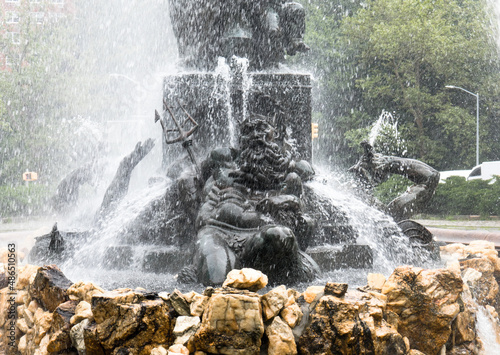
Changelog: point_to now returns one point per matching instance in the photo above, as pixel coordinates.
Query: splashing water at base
(375, 229)
(486, 332)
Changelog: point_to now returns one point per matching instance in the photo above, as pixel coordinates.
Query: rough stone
(336, 289)
(50, 287)
(292, 314)
(313, 293)
(129, 319)
(232, 324)
(197, 307)
(350, 325)
(482, 282)
(185, 328)
(426, 302)
(26, 274)
(273, 302)
(376, 281)
(82, 311)
(159, 351)
(246, 279)
(179, 303)
(178, 349)
(76, 335)
(281, 339)
(83, 291)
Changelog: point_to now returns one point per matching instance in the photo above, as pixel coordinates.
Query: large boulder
(232, 324)
(426, 302)
(352, 325)
(50, 287)
(131, 320)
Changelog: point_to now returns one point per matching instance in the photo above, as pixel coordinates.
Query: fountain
(238, 191)
(253, 197)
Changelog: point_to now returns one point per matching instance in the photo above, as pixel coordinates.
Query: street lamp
(477, 117)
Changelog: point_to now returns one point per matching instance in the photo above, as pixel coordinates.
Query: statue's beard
(262, 165)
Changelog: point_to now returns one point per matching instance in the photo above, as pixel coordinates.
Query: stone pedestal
(219, 102)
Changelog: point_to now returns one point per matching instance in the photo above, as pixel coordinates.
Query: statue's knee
(281, 238)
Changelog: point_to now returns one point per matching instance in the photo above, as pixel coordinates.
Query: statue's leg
(275, 252)
(410, 202)
(214, 258)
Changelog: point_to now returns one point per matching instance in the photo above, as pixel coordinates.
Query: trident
(182, 134)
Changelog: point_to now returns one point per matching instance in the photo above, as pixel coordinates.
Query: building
(22, 16)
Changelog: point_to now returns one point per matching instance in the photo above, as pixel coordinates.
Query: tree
(398, 56)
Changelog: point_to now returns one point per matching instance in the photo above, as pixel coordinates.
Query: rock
(185, 328)
(479, 275)
(82, 311)
(83, 291)
(50, 287)
(179, 303)
(426, 302)
(232, 324)
(313, 293)
(159, 351)
(281, 339)
(22, 326)
(336, 289)
(350, 325)
(22, 345)
(60, 328)
(291, 315)
(43, 322)
(376, 281)
(178, 349)
(33, 306)
(246, 279)
(129, 319)
(197, 307)
(76, 335)
(92, 343)
(273, 302)
(26, 273)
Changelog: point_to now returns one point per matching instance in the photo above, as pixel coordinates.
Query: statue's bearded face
(263, 163)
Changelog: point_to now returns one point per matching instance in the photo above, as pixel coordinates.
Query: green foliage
(23, 200)
(392, 188)
(398, 56)
(460, 197)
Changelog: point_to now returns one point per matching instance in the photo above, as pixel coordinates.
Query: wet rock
(185, 328)
(281, 339)
(130, 319)
(376, 281)
(350, 325)
(159, 351)
(426, 302)
(76, 335)
(232, 324)
(178, 349)
(26, 275)
(179, 303)
(313, 293)
(60, 327)
(198, 305)
(82, 311)
(336, 289)
(483, 284)
(50, 287)
(291, 314)
(273, 302)
(91, 340)
(83, 291)
(246, 279)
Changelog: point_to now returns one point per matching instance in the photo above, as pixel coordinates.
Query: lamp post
(477, 117)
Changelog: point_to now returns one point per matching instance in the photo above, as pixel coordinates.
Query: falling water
(384, 135)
